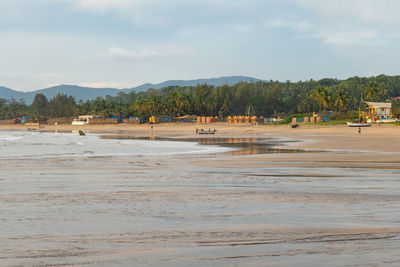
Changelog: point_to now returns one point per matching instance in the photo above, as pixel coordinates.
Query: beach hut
(214, 119)
(82, 120)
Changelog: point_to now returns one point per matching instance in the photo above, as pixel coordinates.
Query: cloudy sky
(124, 43)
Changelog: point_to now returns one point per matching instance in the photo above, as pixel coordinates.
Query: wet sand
(338, 207)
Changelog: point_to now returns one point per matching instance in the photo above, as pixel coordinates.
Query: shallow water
(176, 209)
(237, 146)
(42, 144)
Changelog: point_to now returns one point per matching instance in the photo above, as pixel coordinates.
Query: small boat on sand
(361, 120)
(209, 131)
(386, 121)
(358, 124)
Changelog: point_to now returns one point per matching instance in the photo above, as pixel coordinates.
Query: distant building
(82, 120)
(379, 110)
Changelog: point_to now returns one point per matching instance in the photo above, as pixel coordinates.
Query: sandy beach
(333, 201)
(380, 138)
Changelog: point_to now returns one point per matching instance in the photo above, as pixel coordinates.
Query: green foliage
(259, 98)
(395, 108)
(62, 106)
(40, 108)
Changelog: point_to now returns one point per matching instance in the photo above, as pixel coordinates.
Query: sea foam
(34, 145)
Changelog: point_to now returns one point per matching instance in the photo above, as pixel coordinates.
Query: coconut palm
(340, 99)
(180, 102)
(371, 91)
(304, 105)
(140, 106)
(171, 102)
(154, 105)
(321, 96)
(224, 110)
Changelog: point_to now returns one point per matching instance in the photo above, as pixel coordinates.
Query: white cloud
(106, 85)
(343, 22)
(103, 5)
(140, 13)
(148, 53)
(367, 38)
(113, 40)
(49, 75)
(339, 22)
(298, 25)
(367, 11)
(96, 85)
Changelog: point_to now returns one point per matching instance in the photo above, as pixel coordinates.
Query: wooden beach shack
(82, 120)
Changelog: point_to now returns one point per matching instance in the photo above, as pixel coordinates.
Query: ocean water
(67, 200)
(51, 145)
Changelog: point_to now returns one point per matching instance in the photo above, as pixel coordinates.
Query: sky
(125, 43)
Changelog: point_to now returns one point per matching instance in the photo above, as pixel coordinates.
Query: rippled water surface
(39, 144)
(68, 200)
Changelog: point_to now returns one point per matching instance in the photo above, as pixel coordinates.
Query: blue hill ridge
(88, 93)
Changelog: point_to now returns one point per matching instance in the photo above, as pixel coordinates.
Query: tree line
(261, 98)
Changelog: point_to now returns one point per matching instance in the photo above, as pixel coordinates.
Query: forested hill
(88, 93)
(266, 98)
(231, 80)
(261, 98)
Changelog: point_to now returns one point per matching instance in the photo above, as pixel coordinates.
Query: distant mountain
(231, 80)
(78, 92)
(9, 93)
(88, 93)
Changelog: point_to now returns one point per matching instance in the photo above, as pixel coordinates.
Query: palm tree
(154, 105)
(321, 96)
(172, 103)
(371, 91)
(140, 106)
(180, 102)
(326, 99)
(304, 105)
(340, 99)
(187, 103)
(224, 108)
(314, 99)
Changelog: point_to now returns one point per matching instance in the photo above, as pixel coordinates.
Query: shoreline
(332, 138)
